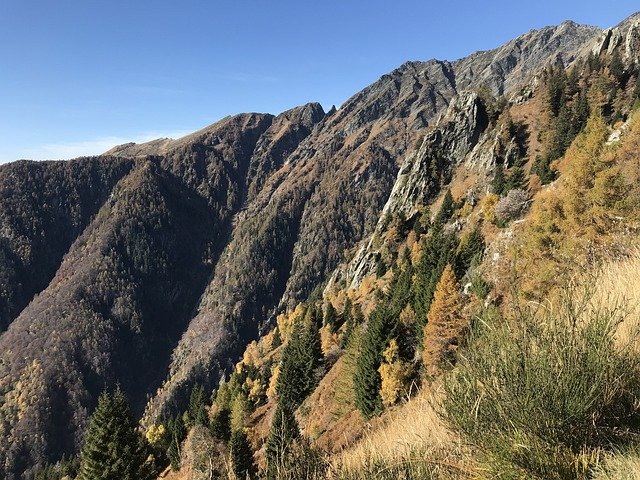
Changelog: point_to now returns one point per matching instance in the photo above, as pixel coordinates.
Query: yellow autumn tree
(582, 165)
(273, 381)
(445, 322)
(394, 374)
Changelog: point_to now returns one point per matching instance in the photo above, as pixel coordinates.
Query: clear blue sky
(77, 76)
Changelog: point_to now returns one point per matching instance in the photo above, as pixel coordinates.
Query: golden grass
(620, 466)
(410, 434)
(618, 283)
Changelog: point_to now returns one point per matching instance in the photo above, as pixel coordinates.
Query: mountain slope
(171, 272)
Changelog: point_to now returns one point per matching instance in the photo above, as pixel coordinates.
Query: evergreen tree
(330, 317)
(197, 411)
(499, 181)
(616, 67)
(284, 431)
(469, 251)
(446, 209)
(438, 249)
(400, 291)
(380, 329)
(594, 63)
(178, 433)
(352, 319)
(347, 311)
(113, 448)
(300, 360)
(241, 455)
(516, 179)
(581, 113)
(542, 168)
(445, 322)
(556, 89)
(220, 426)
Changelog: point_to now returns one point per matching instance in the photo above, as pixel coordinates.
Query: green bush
(541, 393)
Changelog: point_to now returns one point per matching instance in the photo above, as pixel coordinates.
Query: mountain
(154, 265)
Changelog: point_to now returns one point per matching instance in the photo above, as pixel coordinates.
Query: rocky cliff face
(183, 249)
(421, 176)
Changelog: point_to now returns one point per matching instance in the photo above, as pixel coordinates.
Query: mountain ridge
(267, 208)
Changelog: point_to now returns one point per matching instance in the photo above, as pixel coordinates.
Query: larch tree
(445, 323)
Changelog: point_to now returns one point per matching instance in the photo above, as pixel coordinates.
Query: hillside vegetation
(413, 286)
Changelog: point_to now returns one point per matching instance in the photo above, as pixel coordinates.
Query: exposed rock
(422, 175)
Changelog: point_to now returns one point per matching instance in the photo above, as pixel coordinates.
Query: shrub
(544, 390)
(513, 205)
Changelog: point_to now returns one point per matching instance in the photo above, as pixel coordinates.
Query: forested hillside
(404, 287)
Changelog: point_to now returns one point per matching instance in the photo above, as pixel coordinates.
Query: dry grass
(619, 283)
(411, 434)
(620, 466)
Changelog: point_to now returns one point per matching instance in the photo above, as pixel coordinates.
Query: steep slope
(112, 313)
(328, 194)
(44, 206)
(209, 235)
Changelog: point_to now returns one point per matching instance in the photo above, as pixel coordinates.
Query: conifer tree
(300, 360)
(114, 448)
(516, 179)
(616, 67)
(197, 411)
(499, 180)
(556, 89)
(446, 209)
(438, 250)
(330, 317)
(284, 431)
(469, 251)
(241, 455)
(380, 329)
(178, 433)
(351, 320)
(445, 322)
(220, 426)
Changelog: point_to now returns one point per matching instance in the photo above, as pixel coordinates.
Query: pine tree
(616, 67)
(300, 360)
(542, 168)
(445, 322)
(113, 448)
(516, 179)
(330, 317)
(380, 329)
(446, 209)
(438, 250)
(469, 251)
(556, 89)
(284, 431)
(178, 433)
(580, 114)
(499, 181)
(197, 411)
(241, 455)
(220, 426)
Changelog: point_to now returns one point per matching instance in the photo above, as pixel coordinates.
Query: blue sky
(79, 76)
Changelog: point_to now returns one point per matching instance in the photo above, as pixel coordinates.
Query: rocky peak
(505, 68)
(624, 37)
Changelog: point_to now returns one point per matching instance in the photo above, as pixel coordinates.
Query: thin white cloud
(67, 150)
